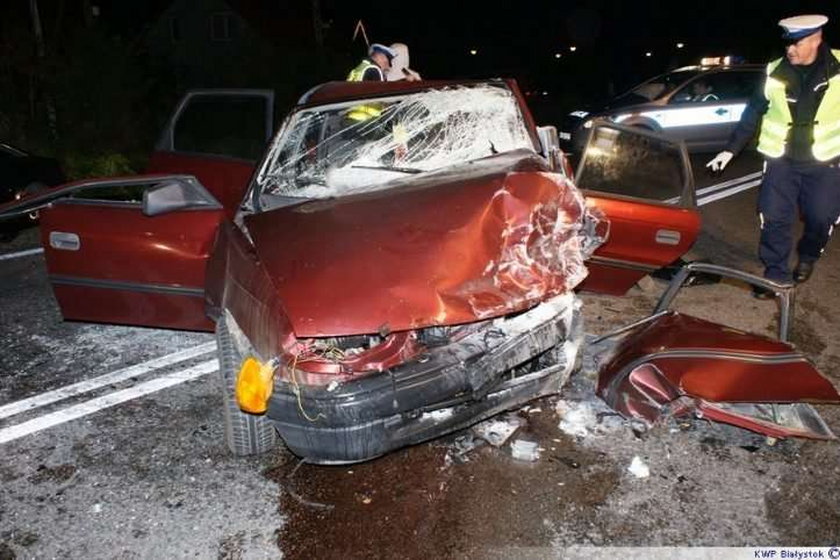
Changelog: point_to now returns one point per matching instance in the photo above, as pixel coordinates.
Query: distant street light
(648, 54)
(473, 52)
(680, 45)
(573, 49)
(557, 55)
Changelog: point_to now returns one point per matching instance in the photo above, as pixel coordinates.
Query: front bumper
(502, 366)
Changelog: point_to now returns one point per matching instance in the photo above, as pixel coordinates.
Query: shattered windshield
(358, 146)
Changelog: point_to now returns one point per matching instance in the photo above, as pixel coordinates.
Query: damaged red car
(400, 264)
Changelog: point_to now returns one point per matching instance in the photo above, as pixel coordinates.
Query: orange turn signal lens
(254, 385)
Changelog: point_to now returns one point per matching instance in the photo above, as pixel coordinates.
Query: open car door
(134, 250)
(128, 250)
(643, 184)
(217, 135)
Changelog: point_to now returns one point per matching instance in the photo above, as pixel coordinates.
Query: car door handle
(668, 237)
(64, 241)
(721, 111)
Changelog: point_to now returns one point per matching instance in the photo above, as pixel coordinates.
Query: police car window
(718, 87)
(632, 164)
(733, 84)
(662, 85)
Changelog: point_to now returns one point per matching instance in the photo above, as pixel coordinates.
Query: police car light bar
(715, 60)
(720, 60)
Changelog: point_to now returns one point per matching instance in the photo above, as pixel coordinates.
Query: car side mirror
(179, 193)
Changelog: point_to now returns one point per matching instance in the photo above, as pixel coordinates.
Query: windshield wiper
(409, 170)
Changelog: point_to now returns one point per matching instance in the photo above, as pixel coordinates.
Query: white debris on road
(581, 419)
(524, 450)
(497, 431)
(577, 419)
(638, 468)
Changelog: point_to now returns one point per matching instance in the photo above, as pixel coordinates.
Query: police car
(698, 104)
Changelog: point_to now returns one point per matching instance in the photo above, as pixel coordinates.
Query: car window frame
(166, 140)
(687, 197)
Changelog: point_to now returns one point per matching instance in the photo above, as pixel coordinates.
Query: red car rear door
(217, 135)
(643, 185)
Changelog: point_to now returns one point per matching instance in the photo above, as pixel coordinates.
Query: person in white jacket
(399, 69)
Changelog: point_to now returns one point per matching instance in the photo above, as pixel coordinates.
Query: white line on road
(728, 192)
(726, 188)
(87, 385)
(18, 254)
(111, 399)
(723, 185)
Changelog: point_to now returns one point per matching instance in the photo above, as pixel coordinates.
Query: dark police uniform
(799, 111)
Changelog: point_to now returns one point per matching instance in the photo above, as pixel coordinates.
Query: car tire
(245, 434)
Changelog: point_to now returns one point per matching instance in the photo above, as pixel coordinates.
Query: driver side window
(719, 87)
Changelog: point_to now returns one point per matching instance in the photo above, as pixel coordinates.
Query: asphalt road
(111, 445)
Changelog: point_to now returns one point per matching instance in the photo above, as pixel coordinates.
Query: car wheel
(245, 434)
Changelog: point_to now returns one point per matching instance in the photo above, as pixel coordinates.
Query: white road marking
(724, 189)
(112, 399)
(728, 192)
(87, 385)
(19, 254)
(723, 185)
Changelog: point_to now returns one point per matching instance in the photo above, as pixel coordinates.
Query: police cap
(387, 51)
(797, 27)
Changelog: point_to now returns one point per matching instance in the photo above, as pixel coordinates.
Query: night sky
(515, 39)
(520, 39)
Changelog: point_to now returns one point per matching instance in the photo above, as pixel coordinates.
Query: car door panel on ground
(642, 183)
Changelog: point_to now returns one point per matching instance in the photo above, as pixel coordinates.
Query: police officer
(799, 111)
(371, 68)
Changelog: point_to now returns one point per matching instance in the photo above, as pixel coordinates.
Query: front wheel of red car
(245, 434)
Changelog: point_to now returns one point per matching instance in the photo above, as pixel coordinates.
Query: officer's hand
(720, 161)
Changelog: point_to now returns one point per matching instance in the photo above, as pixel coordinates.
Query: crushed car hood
(474, 241)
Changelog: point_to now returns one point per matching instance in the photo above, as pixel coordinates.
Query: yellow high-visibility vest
(777, 120)
(357, 74)
(363, 112)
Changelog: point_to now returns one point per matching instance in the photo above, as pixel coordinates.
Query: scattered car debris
(577, 419)
(460, 448)
(498, 430)
(638, 468)
(584, 418)
(524, 450)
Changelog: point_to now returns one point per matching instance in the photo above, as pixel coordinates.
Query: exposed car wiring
(296, 390)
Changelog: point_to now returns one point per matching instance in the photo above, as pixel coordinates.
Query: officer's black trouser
(813, 189)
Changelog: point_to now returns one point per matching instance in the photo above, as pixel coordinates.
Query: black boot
(802, 272)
